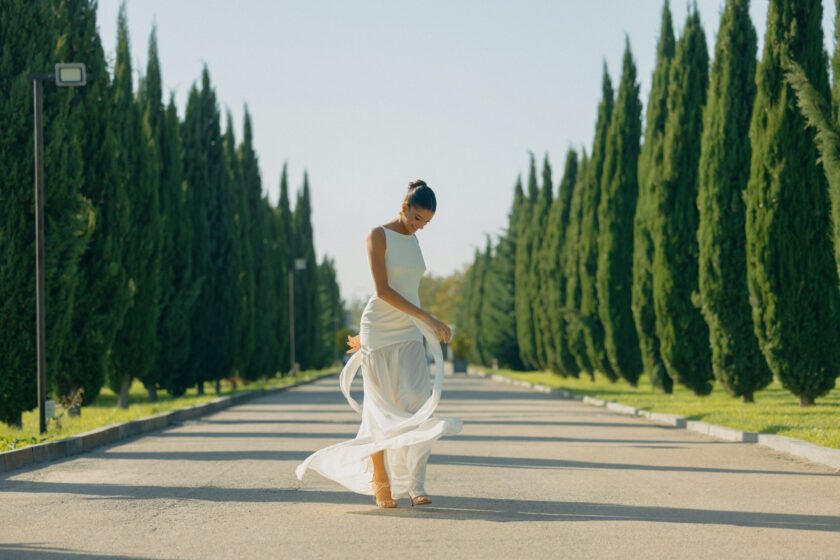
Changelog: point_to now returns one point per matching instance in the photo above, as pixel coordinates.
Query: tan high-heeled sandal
(378, 487)
(419, 500)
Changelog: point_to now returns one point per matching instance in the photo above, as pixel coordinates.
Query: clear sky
(367, 96)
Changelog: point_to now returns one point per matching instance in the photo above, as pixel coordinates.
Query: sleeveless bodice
(383, 324)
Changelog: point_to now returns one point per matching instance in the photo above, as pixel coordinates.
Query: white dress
(399, 396)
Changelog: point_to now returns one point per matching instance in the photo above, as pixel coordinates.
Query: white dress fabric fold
(400, 396)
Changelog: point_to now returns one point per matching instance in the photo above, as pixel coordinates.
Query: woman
(388, 457)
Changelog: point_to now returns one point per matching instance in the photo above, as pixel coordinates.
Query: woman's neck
(397, 226)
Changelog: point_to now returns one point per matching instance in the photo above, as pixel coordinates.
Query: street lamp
(64, 75)
(300, 264)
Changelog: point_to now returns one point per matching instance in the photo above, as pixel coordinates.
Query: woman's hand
(441, 329)
(353, 343)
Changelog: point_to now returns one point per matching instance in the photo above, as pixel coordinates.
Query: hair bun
(416, 184)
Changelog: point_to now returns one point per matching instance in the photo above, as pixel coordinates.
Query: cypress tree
(265, 355)
(254, 228)
(135, 347)
(68, 216)
(99, 307)
(282, 250)
(834, 182)
(195, 165)
(539, 223)
(176, 311)
(308, 333)
(736, 359)
(524, 285)
(575, 327)
(592, 329)
(791, 275)
(497, 310)
(482, 353)
(150, 99)
(651, 161)
(470, 314)
(682, 331)
(243, 327)
(223, 274)
(332, 312)
(554, 274)
(826, 122)
(617, 207)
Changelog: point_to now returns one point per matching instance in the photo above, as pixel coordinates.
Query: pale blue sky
(367, 96)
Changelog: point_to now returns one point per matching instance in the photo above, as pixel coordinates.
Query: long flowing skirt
(399, 399)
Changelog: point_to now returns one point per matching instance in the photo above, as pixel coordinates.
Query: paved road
(531, 476)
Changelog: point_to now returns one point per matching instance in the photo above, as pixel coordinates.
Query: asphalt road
(531, 476)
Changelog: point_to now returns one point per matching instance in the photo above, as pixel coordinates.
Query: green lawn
(104, 411)
(775, 411)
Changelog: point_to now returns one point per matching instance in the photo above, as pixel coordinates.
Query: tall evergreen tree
(575, 327)
(68, 216)
(469, 318)
(539, 222)
(150, 99)
(243, 173)
(682, 331)
(524, 285)
(136, 344)
(308, 332)
(195, 166)
(282, 250)
(176, 311)
(332, 312)
(617, 207)
(499, 332)
(736, 359)
(268, 297)
(826, 121)
(481, 353)
(589, 320)
(791, 275)
(553, 273)
(651, 165)
(222, 285)
(99, 307)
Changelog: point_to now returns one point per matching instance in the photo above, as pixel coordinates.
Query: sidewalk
(531, 476)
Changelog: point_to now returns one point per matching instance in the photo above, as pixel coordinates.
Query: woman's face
(416, 218)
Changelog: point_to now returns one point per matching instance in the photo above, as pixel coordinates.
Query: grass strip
(104, 410)
(776, 410)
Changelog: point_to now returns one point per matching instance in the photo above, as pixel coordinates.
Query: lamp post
(64, 75)
(299, 264)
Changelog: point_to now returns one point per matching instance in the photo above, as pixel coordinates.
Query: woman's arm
(376, 257)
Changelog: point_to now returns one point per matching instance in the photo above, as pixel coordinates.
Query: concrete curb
(792, 446)
(80, 443)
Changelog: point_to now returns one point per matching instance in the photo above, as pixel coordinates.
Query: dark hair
(421, 196)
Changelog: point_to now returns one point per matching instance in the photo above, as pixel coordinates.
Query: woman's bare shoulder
(376, 237)
(377, 234)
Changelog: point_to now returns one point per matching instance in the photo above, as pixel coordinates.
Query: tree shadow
(26, 551)
(507, 511)
(531, 463)
(454, 508)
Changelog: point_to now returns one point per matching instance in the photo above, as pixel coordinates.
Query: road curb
(81, 443)
(792, 446)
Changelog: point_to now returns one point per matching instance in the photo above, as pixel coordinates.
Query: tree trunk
(218, 386)
(806, 400)
(749, 397)
(153, 394)
(124, 387)
(200, 388)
